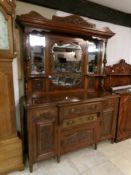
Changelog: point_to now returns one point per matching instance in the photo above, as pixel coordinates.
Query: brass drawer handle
(70, 122)
(72, 110)
(80, 120)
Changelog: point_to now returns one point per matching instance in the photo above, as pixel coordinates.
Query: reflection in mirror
(66, 80)
(37, 47)
(92, 57)
(67, 57)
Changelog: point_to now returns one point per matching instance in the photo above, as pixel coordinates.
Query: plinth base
(11, 158)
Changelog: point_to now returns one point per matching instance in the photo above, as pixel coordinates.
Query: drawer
(67, 123)
(110, 102)
(43, 113)
(79, 109)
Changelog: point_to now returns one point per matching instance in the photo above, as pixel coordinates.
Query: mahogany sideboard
(66, 105)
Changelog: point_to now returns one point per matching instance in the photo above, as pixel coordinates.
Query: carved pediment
(120, 68)
(34, 15)
(107, 29)
(73, 19)
(70, 24)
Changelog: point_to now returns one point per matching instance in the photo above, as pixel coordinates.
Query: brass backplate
(79, 120)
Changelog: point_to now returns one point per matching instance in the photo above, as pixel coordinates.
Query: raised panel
(109, 118)
(4, 106)
(128, 117)
(77, 138)
(43, 125)
(38, 85)
(7, 115)
(45, 136)
(124, 119)
(107, 122)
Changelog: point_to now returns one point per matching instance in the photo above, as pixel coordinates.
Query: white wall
(23, 8)
(119, 46)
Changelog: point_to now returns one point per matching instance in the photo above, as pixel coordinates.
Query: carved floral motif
(120, 68)
(73, 19)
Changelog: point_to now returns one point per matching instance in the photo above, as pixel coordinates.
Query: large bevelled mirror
(67, 60)
(67, 57)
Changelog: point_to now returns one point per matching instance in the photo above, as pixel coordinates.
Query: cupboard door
(107, 123)
(109, 118)
(128, 115)
(42, 132)
(124, 119)
(44, 137)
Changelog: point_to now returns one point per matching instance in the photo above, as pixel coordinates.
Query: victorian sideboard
(66, 106)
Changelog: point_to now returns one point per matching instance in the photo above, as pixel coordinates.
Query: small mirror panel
(37, 53)
(92, 58)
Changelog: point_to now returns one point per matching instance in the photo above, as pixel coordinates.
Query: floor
(108, 159)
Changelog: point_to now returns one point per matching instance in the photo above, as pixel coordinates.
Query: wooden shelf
(37, 76)
(96, 75)
(118, 74)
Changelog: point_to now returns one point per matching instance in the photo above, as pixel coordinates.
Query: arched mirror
(67, 57)
(67, 64)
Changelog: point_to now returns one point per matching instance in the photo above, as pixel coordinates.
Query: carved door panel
(44, 134)
(124, 120)
(79, 137)
(45, 138)
(108, 120)
(128, 115)
(107, 123)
